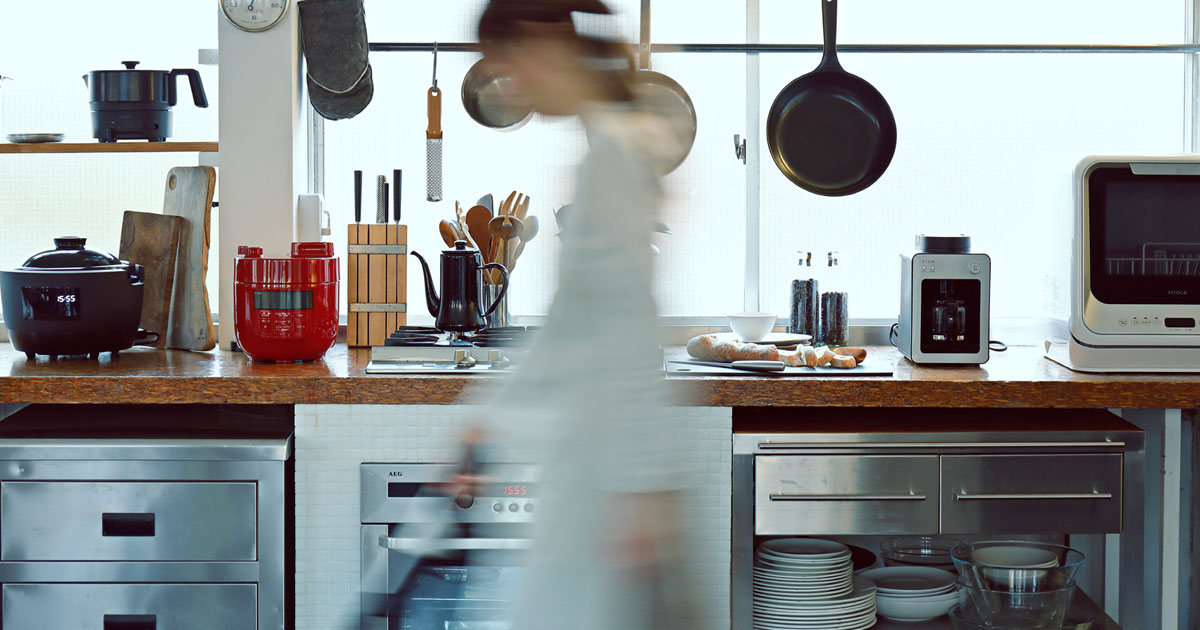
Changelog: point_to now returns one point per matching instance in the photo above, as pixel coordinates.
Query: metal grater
(433, 169)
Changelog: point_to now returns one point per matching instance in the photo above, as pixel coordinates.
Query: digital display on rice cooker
(50, 303)
(283, 300)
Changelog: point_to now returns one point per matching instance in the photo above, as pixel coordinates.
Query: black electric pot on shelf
(72, 300)
(134, 104)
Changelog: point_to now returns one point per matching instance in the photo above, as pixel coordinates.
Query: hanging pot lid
(69, 253)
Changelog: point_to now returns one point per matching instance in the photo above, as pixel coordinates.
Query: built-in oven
(1136, 270)
(471, 548)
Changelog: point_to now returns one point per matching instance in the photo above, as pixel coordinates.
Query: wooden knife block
(377, 266)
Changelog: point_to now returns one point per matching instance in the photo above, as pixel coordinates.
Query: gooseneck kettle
(458, 309)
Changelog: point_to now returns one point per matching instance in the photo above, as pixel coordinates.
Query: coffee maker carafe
(945, 302)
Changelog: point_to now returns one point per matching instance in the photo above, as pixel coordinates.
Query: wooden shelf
(109, 147)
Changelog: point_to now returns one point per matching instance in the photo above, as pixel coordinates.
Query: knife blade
(749, 366)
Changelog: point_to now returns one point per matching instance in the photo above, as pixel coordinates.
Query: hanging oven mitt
(339, 78)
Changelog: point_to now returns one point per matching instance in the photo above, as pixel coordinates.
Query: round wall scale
(254, 15)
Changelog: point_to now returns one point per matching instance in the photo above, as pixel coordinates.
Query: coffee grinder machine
(944, 302)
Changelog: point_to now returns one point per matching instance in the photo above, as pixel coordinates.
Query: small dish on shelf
(34, 138)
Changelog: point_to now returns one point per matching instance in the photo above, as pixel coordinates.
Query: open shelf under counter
(108, 147)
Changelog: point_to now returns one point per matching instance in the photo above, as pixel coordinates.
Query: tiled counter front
(332, 440)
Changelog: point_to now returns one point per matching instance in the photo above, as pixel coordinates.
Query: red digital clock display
(515, 490)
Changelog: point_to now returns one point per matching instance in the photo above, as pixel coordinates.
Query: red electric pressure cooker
(286, 309)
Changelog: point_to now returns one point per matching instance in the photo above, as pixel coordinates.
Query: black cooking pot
(134, 104)
(72, 300)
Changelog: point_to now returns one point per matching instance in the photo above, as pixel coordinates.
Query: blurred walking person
(590, 397)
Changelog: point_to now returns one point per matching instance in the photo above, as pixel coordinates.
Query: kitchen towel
(338, 74)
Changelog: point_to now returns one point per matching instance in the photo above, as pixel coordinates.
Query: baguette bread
(709, 348)
(859, 354)
(843, 362)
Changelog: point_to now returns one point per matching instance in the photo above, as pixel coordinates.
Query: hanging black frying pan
(829, 131)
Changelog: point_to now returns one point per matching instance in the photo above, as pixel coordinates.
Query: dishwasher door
(845, 494)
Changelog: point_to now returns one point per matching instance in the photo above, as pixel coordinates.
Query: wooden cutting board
(189, 195)
(152, 240)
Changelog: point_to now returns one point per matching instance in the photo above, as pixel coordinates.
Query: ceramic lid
(69, 253)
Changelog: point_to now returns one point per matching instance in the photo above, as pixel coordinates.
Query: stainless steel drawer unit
(858, 494)
(128, 521)
(1027, 494)
(143, 534)
(130, 606)
(885, 481)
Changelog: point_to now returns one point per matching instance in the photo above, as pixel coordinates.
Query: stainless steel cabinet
(858, 494)
(1028, 494)
(130, 606)
(882, 480)
(143, 534)
(127, 521)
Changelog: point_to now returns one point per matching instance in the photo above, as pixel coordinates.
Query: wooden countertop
(1020, 377)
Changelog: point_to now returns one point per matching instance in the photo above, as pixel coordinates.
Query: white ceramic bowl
(915, 608)
(1016, 557)
(752, 326)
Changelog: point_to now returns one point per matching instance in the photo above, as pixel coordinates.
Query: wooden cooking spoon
(477, 227)
(448, 232)
(530, 231)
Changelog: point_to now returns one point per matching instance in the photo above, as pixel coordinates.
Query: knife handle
(384, 214)
(434, 131)
(358, 196)
(774, 366)
(397, 177)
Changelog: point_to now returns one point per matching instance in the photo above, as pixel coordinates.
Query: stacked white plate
(809, 584)
(913, 593)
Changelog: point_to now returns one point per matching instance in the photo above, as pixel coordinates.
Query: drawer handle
(127, 524)
(949, 445)
(778, 496)
(130, 622)
(417, 545)
(962, 496)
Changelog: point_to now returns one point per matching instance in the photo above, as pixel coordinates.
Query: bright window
(987, 142)
(44, 196)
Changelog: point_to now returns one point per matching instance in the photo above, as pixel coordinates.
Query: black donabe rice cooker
(72, 300)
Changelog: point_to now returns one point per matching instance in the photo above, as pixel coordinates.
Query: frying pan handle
(829, 59)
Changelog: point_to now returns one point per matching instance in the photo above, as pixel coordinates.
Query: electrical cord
(993, 345)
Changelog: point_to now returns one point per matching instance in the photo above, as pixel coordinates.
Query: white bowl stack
(913, 593)
(809, 584)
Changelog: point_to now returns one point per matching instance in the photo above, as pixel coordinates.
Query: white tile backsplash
(332, 440)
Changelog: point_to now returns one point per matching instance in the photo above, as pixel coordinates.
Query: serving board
(866, 369)
(152, 240)
(189, 194)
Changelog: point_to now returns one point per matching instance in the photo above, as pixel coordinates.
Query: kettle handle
(198, 96)
(503, 287)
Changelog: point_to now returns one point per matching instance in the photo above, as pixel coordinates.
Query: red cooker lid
(309, 263)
